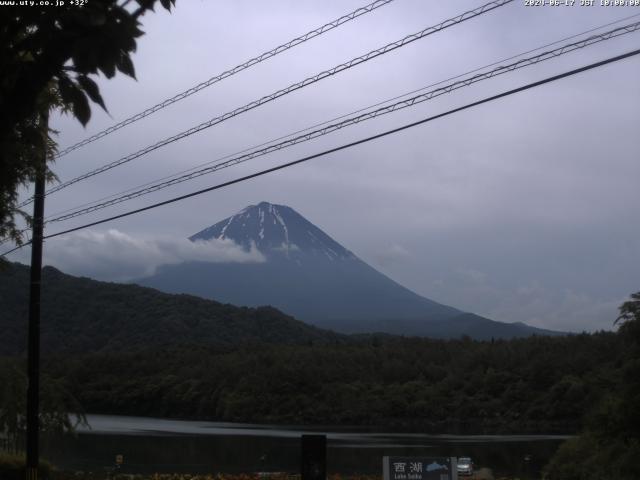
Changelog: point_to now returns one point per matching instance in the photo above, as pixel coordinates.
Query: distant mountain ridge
(80, 315)
(311, 276)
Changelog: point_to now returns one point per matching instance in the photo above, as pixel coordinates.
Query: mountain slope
(312, 277)
(82, 315)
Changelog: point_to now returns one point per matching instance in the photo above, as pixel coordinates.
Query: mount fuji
(309, 275)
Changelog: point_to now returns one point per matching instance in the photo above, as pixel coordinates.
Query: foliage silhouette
(47, 57)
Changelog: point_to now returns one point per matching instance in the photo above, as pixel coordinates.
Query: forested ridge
(183, 357)
(128, 350)
(535, 385)
(81, 315)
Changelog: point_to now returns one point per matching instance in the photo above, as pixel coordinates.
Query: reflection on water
(159, 445)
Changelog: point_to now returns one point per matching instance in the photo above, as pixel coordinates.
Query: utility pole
(33, 361)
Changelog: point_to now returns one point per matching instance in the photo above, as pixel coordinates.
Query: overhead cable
(296, 86)
(525, 62)
(16, 248)
(334, 119)
(228, 73)
(352, 144)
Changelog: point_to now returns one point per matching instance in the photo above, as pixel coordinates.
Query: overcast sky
(524, 209)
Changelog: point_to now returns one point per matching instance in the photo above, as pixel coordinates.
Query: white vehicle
(465, 466)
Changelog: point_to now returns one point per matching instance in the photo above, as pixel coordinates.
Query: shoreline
(105, 424)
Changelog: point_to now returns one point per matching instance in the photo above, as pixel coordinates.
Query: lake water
(158, 445)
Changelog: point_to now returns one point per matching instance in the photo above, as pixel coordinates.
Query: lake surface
(159, 445)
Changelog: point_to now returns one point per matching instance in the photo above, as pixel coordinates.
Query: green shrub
(12, 467)
(589, 458)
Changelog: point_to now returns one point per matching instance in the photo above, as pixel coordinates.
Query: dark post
(314, 457)
(33, 361)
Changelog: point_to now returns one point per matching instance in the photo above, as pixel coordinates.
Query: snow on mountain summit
(275, 230)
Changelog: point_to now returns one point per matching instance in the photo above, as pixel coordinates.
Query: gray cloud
(117, 256)
(531, 303)
(394, 253)
(568, 310)
(535, 190)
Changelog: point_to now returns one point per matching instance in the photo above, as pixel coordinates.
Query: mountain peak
(275, 230)
(311, 276)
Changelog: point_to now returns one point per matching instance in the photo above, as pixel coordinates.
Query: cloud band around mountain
(116, 256)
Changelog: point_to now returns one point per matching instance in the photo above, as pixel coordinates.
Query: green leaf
(65, 86)
(146, 4)
(125, 65)
(108, 67)
(81, 108)
(72, 95)
(167, 4)
(91, 89)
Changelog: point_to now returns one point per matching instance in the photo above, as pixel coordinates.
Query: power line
(18, 247)
(359, 118)
(228, 73)
(345, 146)
(9, 239)
(296, 86)
(363, 109)
(357, 142)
